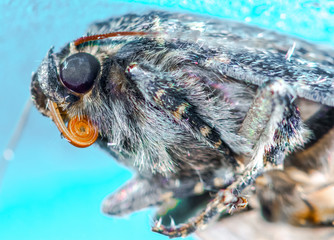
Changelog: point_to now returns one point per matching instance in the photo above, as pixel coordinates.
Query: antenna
(109, 35)
(8, 153)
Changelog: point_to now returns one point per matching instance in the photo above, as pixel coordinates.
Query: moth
(198, 105)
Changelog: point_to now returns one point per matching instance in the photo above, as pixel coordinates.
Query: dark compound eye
(79, 71)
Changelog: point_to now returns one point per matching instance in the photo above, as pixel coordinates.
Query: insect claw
(172, 222)
(231, 211)
(158, 223)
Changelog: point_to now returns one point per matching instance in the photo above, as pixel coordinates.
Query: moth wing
(244, 52)
(136, 194)
(312, 79)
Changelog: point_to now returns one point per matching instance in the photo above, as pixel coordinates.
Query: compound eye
(79, 71)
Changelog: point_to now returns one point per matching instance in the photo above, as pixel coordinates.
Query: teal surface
(52, 190)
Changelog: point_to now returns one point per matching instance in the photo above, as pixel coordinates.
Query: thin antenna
(109, 35)
(8, 153)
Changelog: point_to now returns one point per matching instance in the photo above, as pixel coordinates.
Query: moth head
(55, 90)
(65, 87)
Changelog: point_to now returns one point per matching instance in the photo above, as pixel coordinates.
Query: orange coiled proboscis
(80, 131)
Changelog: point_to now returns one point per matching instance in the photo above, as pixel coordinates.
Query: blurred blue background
(53, 190)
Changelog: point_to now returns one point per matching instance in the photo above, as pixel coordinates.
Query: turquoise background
(53, 190)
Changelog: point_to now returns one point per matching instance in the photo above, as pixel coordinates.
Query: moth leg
(160, 89)
(273, 127)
